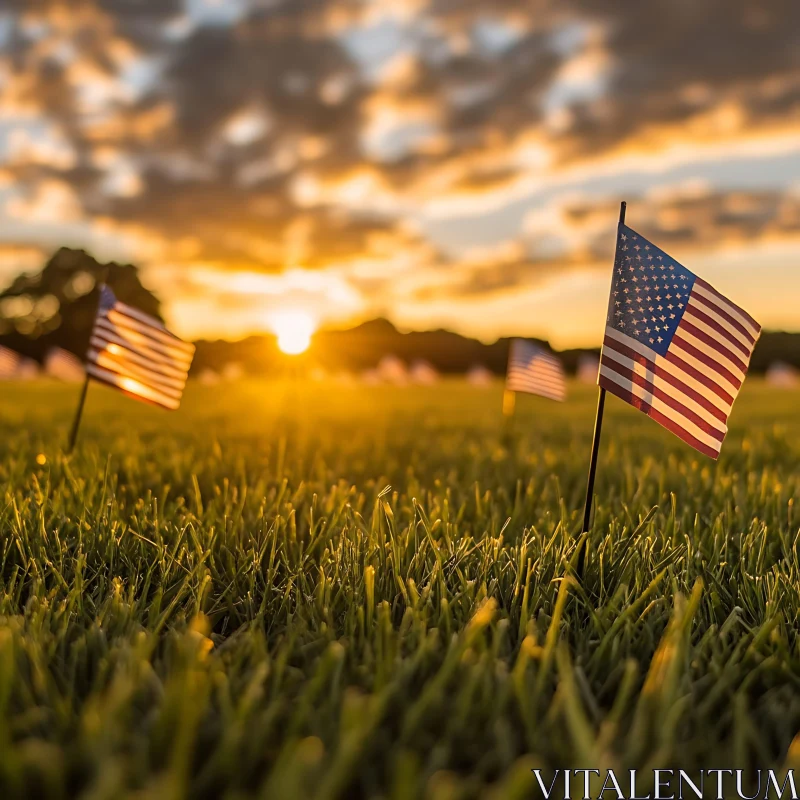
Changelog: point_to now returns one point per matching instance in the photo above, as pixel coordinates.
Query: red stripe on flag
(142, 398)
(623, 394)
(682, 433)
(705, 359)
(665, 397)
(698, 298)
(691, 371)
(712, 323)
(739, 310)
(713, 343)
(667, 377)
(673, 427)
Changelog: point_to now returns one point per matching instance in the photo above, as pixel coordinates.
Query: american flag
(9, 363)
(674, 347)
(63, 366)
(135, 353)
(533, 370)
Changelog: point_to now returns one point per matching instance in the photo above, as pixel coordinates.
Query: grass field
(342, 592)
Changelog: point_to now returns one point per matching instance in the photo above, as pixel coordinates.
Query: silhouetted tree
(57, 306)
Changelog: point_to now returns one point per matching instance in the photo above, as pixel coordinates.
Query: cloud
(576, 235)
(245, 301)
(19, 258)
(50, 200)
(676, 62)
(695, 217)
(309, 134)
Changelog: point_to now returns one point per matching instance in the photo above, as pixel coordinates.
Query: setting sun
(294, 330)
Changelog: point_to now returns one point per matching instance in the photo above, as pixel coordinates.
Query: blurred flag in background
(63, 366)
(135, 353)
(533, 370)
(9, 363)
(16, 367)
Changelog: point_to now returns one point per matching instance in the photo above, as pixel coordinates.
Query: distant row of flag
(58, 363)
(674, 347)
(531, 369)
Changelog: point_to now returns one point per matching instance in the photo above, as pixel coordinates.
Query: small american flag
(533, 370)
(674, 347)
(9, 363)
(135, 353)
(63, 366)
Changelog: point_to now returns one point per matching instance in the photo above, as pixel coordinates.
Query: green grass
(334, 592)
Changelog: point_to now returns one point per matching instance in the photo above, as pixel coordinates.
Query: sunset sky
(453, 163)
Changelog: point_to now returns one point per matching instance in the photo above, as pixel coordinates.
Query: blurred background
(261, 169)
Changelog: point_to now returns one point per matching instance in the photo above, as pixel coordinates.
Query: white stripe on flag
(729, 307)
(134, 352)
(158, 333)
(132, 387)
(695, 308)
(119, 350)
(119, 347)
(653, 377)
(139, 340)
(675, 416)
(125, 367)
(671, 369)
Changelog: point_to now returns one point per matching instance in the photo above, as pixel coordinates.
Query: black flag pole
(76, 423)
(598, 427)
